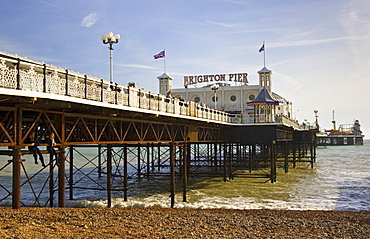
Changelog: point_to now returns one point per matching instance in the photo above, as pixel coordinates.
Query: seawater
(340, 180)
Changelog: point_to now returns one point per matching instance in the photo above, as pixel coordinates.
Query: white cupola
(265, 79)
(165, 83)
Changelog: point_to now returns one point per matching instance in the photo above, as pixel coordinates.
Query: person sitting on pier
(168, 97)
(34, 149)
(51, 149)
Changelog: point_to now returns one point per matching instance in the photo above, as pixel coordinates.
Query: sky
(318, 50)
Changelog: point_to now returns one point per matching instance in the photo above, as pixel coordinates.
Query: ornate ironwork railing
(28, 75)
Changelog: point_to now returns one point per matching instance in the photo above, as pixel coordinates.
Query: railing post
(101, 91)
(139, 98)
(44, 79)
(128, 97)
(18, 75)
(66, 82)
(149, 100)
(116, 94)
(85, 83)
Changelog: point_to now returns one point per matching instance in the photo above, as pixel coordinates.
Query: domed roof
(264, 97)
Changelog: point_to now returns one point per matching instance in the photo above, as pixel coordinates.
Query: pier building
(134, 134)
(232, 93)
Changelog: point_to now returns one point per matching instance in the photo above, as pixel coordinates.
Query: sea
(340, 180)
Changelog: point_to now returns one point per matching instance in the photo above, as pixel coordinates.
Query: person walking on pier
(34, 149)
(51, 149)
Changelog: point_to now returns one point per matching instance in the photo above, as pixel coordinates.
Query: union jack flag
(159, 55)
(262, 48)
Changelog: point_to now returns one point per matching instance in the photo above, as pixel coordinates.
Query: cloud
(237, 2)
(308, 42)
(137, 66)
(226, 24)
(89, 20)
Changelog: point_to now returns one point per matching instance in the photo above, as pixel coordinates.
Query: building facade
(236, 97)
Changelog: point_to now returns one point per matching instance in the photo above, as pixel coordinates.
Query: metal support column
(273, 161)
(286, 154)
(230, 162)
(294, 154)
(99, 161)
(147, 159)
(71, 159)
(312, 153)
(61, 178)
(16, 194)
(172, 180)
(109, 175)
(138, 160)
(184, 171)
(225, 160)
(125, 169)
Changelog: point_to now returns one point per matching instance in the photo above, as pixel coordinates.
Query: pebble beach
(180, 223)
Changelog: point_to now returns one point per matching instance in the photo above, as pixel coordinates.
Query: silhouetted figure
(51, 149)
(34, 149)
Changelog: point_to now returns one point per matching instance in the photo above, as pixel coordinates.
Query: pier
(135, 134)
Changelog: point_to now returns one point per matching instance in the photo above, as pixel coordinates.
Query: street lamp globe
(214, 87)
(110, 39)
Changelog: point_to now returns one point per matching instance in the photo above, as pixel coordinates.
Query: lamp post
(317, 117)
(110, 39)
(215, 88)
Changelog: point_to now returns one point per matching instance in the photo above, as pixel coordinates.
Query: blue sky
(318, 50)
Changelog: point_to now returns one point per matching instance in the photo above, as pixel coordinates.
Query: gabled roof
(264, 98)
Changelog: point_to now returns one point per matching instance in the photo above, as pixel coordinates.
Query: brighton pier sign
(236, 77)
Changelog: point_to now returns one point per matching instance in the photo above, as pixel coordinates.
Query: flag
(159, 55)
(262, 48)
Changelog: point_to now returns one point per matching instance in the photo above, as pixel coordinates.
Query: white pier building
(232, 93)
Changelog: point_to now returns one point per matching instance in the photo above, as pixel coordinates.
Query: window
(196, 99)
(214, 99)
(252, 97)
(233, 98)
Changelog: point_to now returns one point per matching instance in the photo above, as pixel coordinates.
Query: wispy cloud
(238, 2)
(355, 21)
(308, 42)
(138, 66)
(223, 24)
(89, 20)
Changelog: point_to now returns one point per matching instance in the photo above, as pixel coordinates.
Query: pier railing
(27, 75)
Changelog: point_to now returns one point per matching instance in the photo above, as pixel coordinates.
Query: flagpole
(164, 60)
(264, 54)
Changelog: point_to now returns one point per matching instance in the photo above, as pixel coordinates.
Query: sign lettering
(236, 77)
